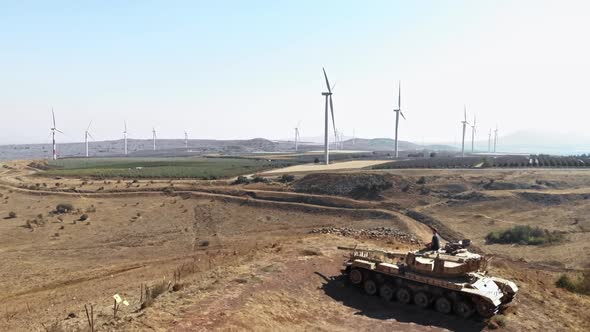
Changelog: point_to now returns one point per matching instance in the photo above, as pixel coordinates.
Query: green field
(200, 168)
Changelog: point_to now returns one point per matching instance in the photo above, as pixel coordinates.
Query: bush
(525, 235)
(580, 284)
(421, 180)
(11, 215)
(432, 154)
(241, 180)
(286, 178)
(316, 161)
(258, 179)
(83, 217)
(64, 208)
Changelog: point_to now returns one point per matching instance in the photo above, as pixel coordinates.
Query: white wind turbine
(398, 112)
(490, 141)
(186, 140)
(154, 137)
(465, 123)
(86, 135)
(125, 136)
(495, 138)
(53, 130)
(328, 96)
(473, 130)
(297, 136)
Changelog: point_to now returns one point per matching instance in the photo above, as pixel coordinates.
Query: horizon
(237, 71)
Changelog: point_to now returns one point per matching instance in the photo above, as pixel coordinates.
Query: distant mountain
(386, 144)
(544, 142)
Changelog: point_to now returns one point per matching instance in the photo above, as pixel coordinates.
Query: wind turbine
(297, 136)
(495, 138)
(328, 96)
(53, 130)
(490, 141)
(154, 137)
(473, 134)
(86, 135)
(125, 136)
(465, 123)
(186, 140)
(398, 111)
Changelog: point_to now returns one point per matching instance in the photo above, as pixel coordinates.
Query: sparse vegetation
(241, 180)
(577, 284)
(83, 217)
(286, 178)
(64, 208)
(525, 235)
(11, 215)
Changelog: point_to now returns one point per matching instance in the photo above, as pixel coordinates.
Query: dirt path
(345, 165)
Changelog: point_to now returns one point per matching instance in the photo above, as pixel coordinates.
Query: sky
(245, 69)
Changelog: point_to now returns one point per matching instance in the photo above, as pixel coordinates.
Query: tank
(452, 280)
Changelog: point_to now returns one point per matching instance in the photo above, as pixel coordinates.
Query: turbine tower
(296, 138)
(53, 130)
(125, 136)
(154, 137)
(465, 123)
(473, 134)
(398, 111)
(328, 96)
(86, 135)
(490, 141)
(495, 138)
(186, 140)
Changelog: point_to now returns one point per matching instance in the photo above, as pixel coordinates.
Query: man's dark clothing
(435, 244)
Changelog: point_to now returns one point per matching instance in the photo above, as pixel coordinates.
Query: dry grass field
(241, 257)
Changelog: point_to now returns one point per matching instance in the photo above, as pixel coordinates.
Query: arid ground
(244, 257)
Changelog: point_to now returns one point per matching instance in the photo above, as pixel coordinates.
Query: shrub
(83, 217)
(316, 161)
(241, 180)
(525, 235)
(168, 190)
(579, 284)
(421, 180)
(432, 154)
(286, 178)
(64, 208)
(258, 179)
(11, 215)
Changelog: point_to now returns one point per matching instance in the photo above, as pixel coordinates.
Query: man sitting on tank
(434, 245)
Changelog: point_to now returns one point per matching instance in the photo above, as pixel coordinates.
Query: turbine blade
(89, 125)
(90, 135)
(402, 114)
(327, 82)
(59, 131)
(332, 111)
(53, 114)
(125, 122)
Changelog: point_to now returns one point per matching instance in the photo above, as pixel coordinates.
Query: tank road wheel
(370, 287)
(485, 309)
(443, 305)
(386, 292)
(355, 276)
(463, 309)
(404, 295)
(422, 300)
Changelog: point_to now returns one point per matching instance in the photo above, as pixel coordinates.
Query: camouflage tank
(452, 279)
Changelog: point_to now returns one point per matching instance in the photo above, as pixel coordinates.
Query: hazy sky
(225, 69)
